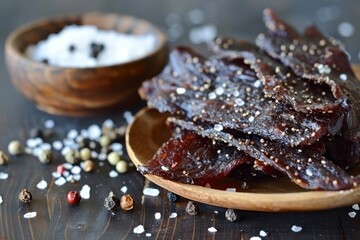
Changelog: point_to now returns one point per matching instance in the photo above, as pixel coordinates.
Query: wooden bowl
(81, 91)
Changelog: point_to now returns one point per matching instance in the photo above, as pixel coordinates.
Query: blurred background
(194, 22)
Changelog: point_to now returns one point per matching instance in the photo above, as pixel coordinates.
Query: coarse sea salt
(113, 174)
(85, 192)
(60, 181)
(173, 215)
(148, 234)
(262, 233)
(49, 124)
(139, 229)
(151, 192)
(124, 189)
(356, 207)
(255, 238)
(212, 229)
(73, 47)
(30, 215)
(352, 214)
(157, 215)
(42, 185)
(4, 175)
(295, 228)
(1, 200)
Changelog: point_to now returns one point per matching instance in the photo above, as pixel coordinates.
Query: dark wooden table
(90, 220)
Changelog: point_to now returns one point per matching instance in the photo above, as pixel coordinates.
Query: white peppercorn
(85, 154)
(113, 158)
(72, 157)
(3, 158)
(45, 156)
(15, 147)
(88, 166)
(122, 166)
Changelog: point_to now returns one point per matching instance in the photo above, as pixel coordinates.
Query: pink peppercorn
(60, 169)
(73, 197)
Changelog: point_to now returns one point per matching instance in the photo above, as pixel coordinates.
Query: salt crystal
(67, 166)
(239, 102)
(212, 229)
(216, 212)
(56, 174)
(69, 178)
(173, 215)
(139, 229)
(164, 168)
(352, 214)
(108, 123)
(343, 76)
(57, 145)
(212, 95)
(94, 154)
(355, 206)
(196, 16)
(42, 185)
(263, 233)
(102, 156)
(1, 200)
(116, 146)
(308, 172)
(180, 91)
(65, 150)
(3, 176)
(231, 189)
(45, 146)
(32, 142)
(148, 234)
(255, 238)
(28, 150)
(66, 173)
(205, 33)
(124, 189)
(94, 131)
(128, 117)
(151, 192)
(295, 228)
(76, 170)
(113, 174)
(251, 119)
(72, 134)
(323, 68)
(257, 83)
(157, 216)
(60, 181)
(30, 215)
(49, 124)
(77, 177)
(218, 127)
(85, 192)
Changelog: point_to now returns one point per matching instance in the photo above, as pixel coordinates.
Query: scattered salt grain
(212, 95)
(57, 145)
(113, 174)
(56, 174)
(251, 119)
(60, 181)
(85, 192)
(128, 117)
(1, 200)
(173, 215)
(108, 123)
(346, 29)
(295, 228)
(352, 214)
(212, 229)
(116, 146)
(216, 212)
(257, 83)
(151, 192)
(239, 102)
(218, 127)
(139, 229)
(196, 16)
(219, 91)
(69, 178)
(203, 33)
(148, 234)
(94, 132)
(255, 238)
(30, 215)
(308, 172)
(157, 216)
(356, 207)
(164, 168)
(72, 134)
(68, 166)
(231, 189)
(3, 176)
(262, 233)
(76, 177)
(66, 173)
(42, 185)
(343, 76)
(49, 124)
(180, 91)
(124, 189)
(76, 170)
(33, 142)
(102, 156)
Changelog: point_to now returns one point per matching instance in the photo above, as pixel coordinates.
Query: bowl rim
(10, 49)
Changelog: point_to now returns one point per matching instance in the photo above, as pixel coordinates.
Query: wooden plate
(148, 131)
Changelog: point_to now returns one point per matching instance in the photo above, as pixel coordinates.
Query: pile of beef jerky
(288, 105)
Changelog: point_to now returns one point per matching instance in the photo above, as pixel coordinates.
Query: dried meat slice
(315, 57)
(304, 166)
(232, 97)
(193, 159)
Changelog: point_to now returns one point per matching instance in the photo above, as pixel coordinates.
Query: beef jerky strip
(193, 159)
(236, 103)
(279, 81)
(317, 58)
(304, 166)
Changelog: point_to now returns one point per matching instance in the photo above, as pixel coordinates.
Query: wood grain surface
(90, 220)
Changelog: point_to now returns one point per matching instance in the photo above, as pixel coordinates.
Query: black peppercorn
(36, 133)
(72, 48)
(231, 215)
(45, 61)
(172, 197)
(25, 196)
(192, 208)
(96, 49)
(111, 202)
